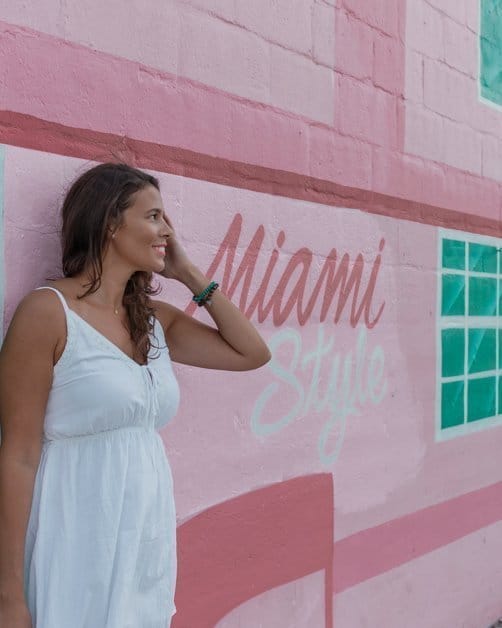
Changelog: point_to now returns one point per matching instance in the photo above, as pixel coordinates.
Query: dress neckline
(109, 342)
(120, 352)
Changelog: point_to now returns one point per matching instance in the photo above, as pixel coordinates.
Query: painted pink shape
(456, 585)
(243, 547)
(405, 539)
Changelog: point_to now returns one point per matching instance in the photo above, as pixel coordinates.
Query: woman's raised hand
(177, 262)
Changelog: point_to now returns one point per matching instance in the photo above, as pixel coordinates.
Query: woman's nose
(166, 230)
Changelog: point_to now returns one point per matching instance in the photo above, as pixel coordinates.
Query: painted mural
(336, 165)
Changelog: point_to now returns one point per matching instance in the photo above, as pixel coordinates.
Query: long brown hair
(95, 203)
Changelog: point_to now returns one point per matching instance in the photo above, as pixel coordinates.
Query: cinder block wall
(337, 166)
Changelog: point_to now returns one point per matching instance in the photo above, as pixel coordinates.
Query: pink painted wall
(291, 138)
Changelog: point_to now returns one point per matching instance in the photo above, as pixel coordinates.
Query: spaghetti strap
(60, 296)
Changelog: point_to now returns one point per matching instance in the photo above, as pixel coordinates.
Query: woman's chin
(152, 268)
(159, 267)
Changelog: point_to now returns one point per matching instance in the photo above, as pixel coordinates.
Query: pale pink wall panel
(471, 13)
(293, 80)
(441, 43)
(224, 55)
(285, 22)
(48, 17)
(425, 132)
(147, 32)
(295, 605)
(446, 91)
(459, 44)
(323, 34)
(375, 117)
(492, 157)
(460, 581)
(463, 146)
(457, 10)
(221, 8)
(144, 31)
(424, 29)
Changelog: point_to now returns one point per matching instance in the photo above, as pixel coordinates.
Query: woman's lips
(160, 249)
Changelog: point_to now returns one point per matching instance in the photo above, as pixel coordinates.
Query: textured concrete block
(269, 138)
(446, 90)
(224, 55)
(148, 34)
(424, 133)
(456, 9)
(388, 63)
(418, 179)
(463, 147)
(221, 8)
(300, 85)
(492, 157)
(336, 158)
(460, 47)
(367, 113)
(414, 76)
(477, 196)
(353, 46)
(323, 34)
(381, 15)
(483, 116)
(286, 22)
(47, 17)
(424, 29)
(472, 16)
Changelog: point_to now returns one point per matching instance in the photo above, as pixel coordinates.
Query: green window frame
(490, 51)
(469, 334)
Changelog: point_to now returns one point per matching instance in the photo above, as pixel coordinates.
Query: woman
(87, 521)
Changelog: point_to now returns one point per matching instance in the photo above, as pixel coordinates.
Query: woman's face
(142, 237)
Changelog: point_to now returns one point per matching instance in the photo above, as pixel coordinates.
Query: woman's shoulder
(40, 302)
(38, 318)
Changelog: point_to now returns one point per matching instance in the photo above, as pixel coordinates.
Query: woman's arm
(234, 346)
(26, 368)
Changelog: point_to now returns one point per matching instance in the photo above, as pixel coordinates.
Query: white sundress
(100, 547)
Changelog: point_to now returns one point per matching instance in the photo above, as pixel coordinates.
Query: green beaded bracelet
(205, 295)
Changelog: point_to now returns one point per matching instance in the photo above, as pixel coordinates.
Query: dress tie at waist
(149, 429)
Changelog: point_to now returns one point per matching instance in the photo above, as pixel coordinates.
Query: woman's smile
(160, 249)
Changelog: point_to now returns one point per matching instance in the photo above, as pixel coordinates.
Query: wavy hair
(95, 203)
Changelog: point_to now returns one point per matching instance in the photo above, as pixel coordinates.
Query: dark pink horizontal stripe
(377, 550)
(30, 132)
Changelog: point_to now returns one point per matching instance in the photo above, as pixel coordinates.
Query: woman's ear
(112, 230)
